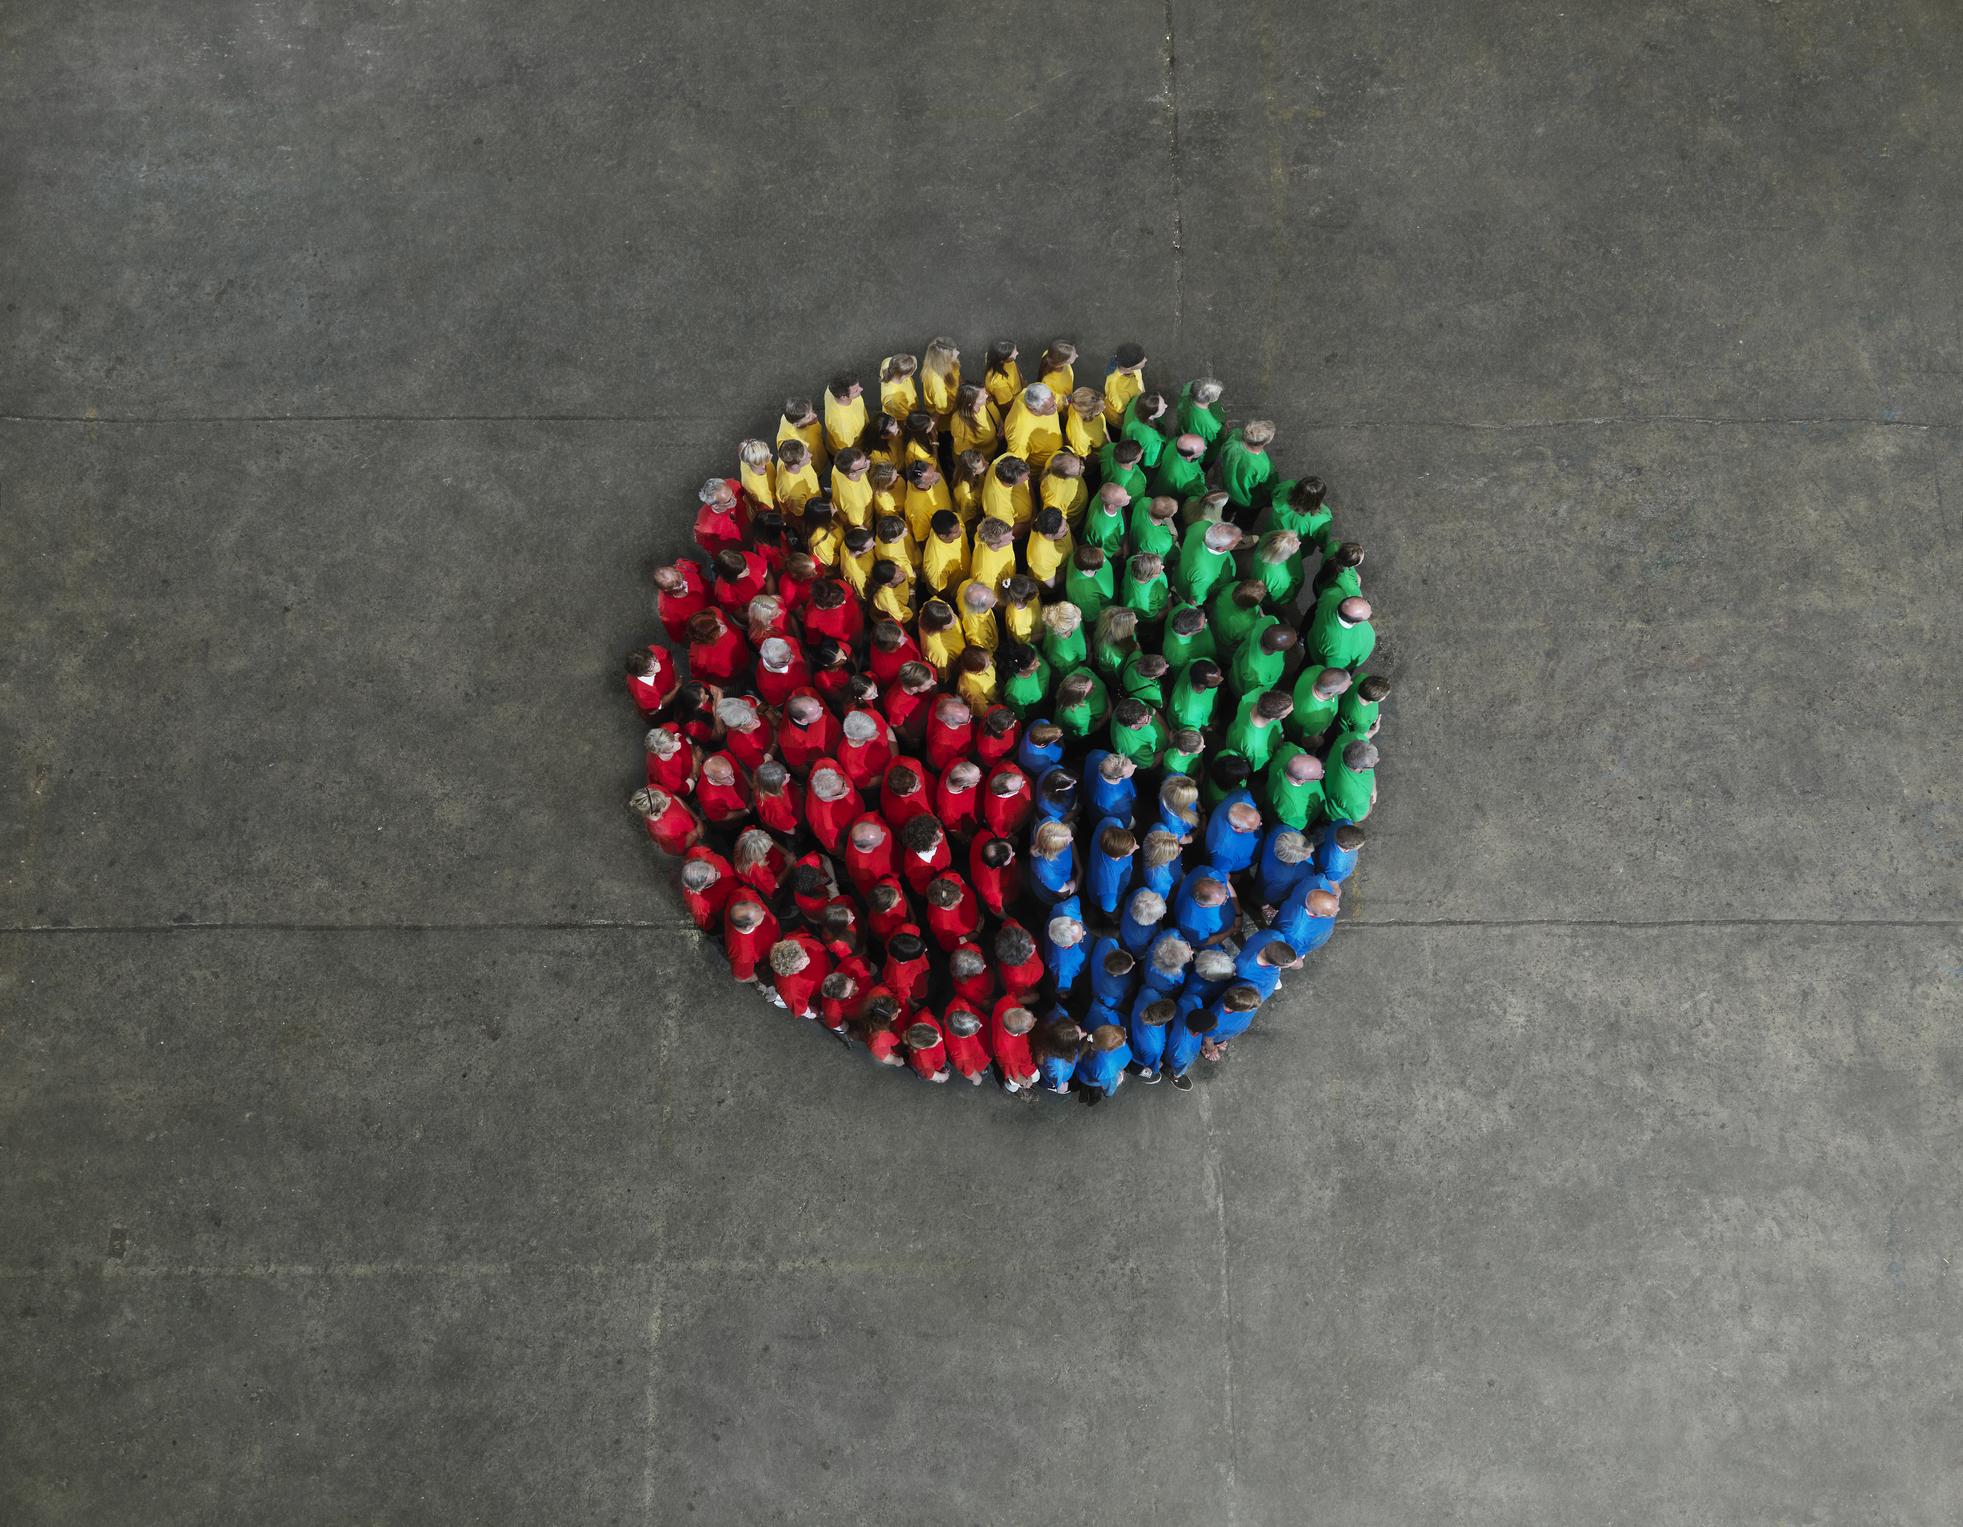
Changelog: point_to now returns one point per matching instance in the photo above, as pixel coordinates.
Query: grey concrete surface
(379, 1145)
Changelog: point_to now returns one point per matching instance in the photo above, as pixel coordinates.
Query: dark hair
(975, 659)
(705, 626)
(1187, 620)
(944, 522)
(1278, 638)
(796, 408)
(1204, 673)
(1349, 554)
(998, 720)
(1306, 496)
(1349, 837)
(1000, 353)
(1199, 1021)
(888, 635)
(1242, 998)
(997, 852)
(1228, 770)
(1132, 713)
(1118, 962)
(1156, 1015)
(905, 946)
(1013, 945)
(886, 572)
(889, 527)
(902, 778)
(936, 615)
(944, 891)
(922, 832)
(920, 427)
(1373, 688)
(806, 880)
(841, 384)
(1049, 521)
(1022, 588)
(1127, 452)
(1087, 558)
(640, 660)
(827, 595)
(847, 459)
(1017, 658)
(1008, 469)
(1149, 665)
(884, 896)
(1274, 704)
(858, 540)
(1116, 843)
(1129, 355)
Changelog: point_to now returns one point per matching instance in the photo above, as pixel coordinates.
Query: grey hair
(1206, 392)
(1168, 954)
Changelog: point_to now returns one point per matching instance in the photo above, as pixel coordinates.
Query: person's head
(998, 853)
(698, 875)
(963, 775)
(884, 475)
(858, 540)
(1116, 766)
(1187, 622)
(936, 615)
(1018, 1020)
(1146, 566)
(1276, 954)
(662, 742)
(920, 427)
(1131, 714)
(859, 690)
(904, 948)
(887, 574)
(754, 847)
(993, 533)
(882, 1011)
(1118, 963)
(1354, 609)
(1116, 625)
(771, 777)
(718, 770)
(704, 627)
(1259, 434)
(1066, 465)
(1241, 999)
(1349, 837)
(1045, 734)
(921, 1036)
(806, 880)
(1128, 453)
(1018, 659)
(922, 474)
(998, 721)
(1159, 849)
(976, 660)
(794, 455)
(945, 525)
(1331, 682)
(941, 357)
(1086, 559)
(1273, 705)
(1180, 796)
(1075, 690)
(1170, 954)
(1050, 840)
(827, 594)
(860, 727)
(777, 654)
(868, 836)
(889, 529)
(1278, 638)
(1107, 1036)
(798, 411)
(970, 398)
(977, 598)
(903, 779)
(1322, 904)
(1129, 356)
(640, 662)
(898, 368)
(851, 461)
(1000, 353)
(1306, 497)
(944, 892)
(1066, 932)
(1057, 354)
(1292, 847)
(1302, 768)
(963, 1022)
(884, 896)
(745, 913)
(1117, 843)
(888, 635)
(1038, 399)
(754, 454)
(1203, 674)
(671, 578)
(1013, 945)
(1228, 771)
(1146, 908)
(829, 785)
(1374, 689)
(1011, 471)
(1186, 742)
(916, 678)
(923, 833)
(1242, 817)
(1249, 593)
(1050, 524)
(1087, 402)
(970, 467)
(838, 987)
(966, 963)
(1006, 783)
(1208, 892)
(1359, 756)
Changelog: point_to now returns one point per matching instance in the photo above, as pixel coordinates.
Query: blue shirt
(1278, 879)
(1227, 1024)
(1053, 809)
(1157, 980)
(1108, 876)
(1056, 1071)
(1162, 878)
(1112, 991)
(1173, 824)
(1066, 964)
(1182, 1044)
(1248, 968)
(1336, 863)
(1035, 761)
(1051, 880)
(1196, 922)
(1105, 798)
(1148, 1040)
(1102, 1068)
(1137, 936)
(1231, 851)
(1303, 932)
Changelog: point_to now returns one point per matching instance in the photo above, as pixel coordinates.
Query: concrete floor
(380, 1145)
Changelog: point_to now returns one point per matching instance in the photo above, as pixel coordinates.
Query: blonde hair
(1161, 848)
(1108, 632)
(1087, 401)
(755, 454)
(1063, 617)
(1279, 546)
(942, 359)
(1051, 839)
(898, 366)
(1260, 432)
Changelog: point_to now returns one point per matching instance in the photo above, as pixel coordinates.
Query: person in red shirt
(740, 576)
(777, 800)
(707, 884)
(652, 679)
(887, 911)
(832, 612)
(927, 852)
(810, 883)
(958, 801)
(891, 649)
(997, 735)
(974, 983)
(723, 521)
(994, 873)
(951, 732)
(1018, 960)
(830, 805)
(781, 670)
(1008, 804)
(759, 862)
(905, 972)
(909, 700)
(748, 736)
(875, 1027)
(748, 931)
(794, 580)
(807, 733)
(842, 997)
(904, 793)
(718, 653)
(926, 1051)
(798, 967)
(952, 910)
(674, 828)
(680, 591)
(765, 617)
(1008, 1040)
(867, 747)
(695, 713)
(839, 926)
(832, 674)
(871, 852)
(672, 760)
(721, 791)
(967, 1050)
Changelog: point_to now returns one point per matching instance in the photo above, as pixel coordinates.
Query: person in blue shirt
(1041, 748)
(1108, 786)
(1150, 1014)
(1213, 973)
(1233, 833)
(1065, 950)
(1052, 863)
(1262, 960)
(1338, 846)
(1114, 972)
(1055, 1045)
(1159, 867)
(1185, 1039)
(1056, 796)
(1233, 1013)
(1179, 807)
(1098, 1015)
(1101, 1068)
(1108, 872)
(1144, 912)
(1204, 908)
(1287, 859)
(1308, 917)
(1166, 963)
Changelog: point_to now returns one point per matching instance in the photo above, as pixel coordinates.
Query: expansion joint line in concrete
(682, 925)
(1803, 422)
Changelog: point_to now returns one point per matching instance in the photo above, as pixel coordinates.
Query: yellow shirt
(978, 629)
(793, 488)
(812, 434)
(987, 565)
(1045, 556)
(856, 570)
(1086, 437)
(1067, 495)
(894, 600)
(1003, 385)
(844, 422)
(939, 393)
(853, 500)
(941, 648)
(917, 452)
(979, 691)
(968, 501)
(945, 562)
(983, 434)
(904, 551)
(1021, 620)
(825, 549)
(1120, 387)
(897, 399)
(1062, 383)
(891, 500)
(893, 450)
(1033, 437)
(1010, 505)
(923, 504)
(761, 486)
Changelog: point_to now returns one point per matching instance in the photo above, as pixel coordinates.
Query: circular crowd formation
(1003, 727)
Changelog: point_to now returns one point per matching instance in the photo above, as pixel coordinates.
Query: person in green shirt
(1297, 505)
(1339, 571)
(1340, 633)
(1138, 733)
(1181, 474)
(1027, 681)
(1064, 647)
(1184, 750)
(1187, 636)
(1082, 703)
(1145, 588)
(1194, 693)
(1261, 656)
(1104, 526)
(1090, 584)
(1235, 608)
(1151, 525)
(1350, 782)
(1356, 712)
(1199, 413)
(1316, 692)
(1225, 773)
(1257, 727)
(1145, 419)
(1118, 463)
(1206, 555)
(1246, 469)
(1114, 639)
(1278, 564)
(1208, 506)
(1293, 784)
(1143, 678)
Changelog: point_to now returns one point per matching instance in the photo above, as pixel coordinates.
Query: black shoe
(1182, 1083)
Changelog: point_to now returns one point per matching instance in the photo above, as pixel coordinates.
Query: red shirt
(813, 907)
(1021, 980)
(905, 979)
(722, 803)
(746, 949)
(946, 743)
(950, 925)
(886, 666)
(830, 684)
(864, 866)
(829, 819)
(968, 1054)
(675, 773)
(932, 1061)
(802, 746)
(919, 870)
(721, 661)
(997, 888)
(882, 1043)
(675, 610)
(959, 810)
(672, 830)
(835, 1012)
(735, 594)
(779, 625)
(717, 529)
(800, 989)
(752, 747)
(1007, 815)
(706, 907)
(848, 945)
(977, 991)
(885, 924)
(989, 749)
(864, 762)
(795, 594)
(842, 625)
(1011, 1051)
(908, 713)
(919, 801)
(767, 873)
(780, 812)
(654, 691)
(777, 687)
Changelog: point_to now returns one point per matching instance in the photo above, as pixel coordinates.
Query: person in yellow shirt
(797, 478)
(845, 412)
(1064, 488)
(851, 492)
(1084, 429)
(898, 395)
(976, 602)
(1006, 495)
(1048, 550)
(1021, 609)
(821, 541)
(1031, 429)
(883, 440)
(757, 467)
(994, 558)
(1123, 382)
(1002, 376)
(922, 436)
(889, 493)
(892, 590)
(941, 641)
(927, 496)
(801, 422)
(856, 559)
(977, 683)
(940, 379)
(970, 477)
(944, 552)
(889, 535)
(977, 422)
(1058, 371)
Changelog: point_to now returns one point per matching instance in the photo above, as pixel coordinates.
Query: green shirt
(1145, 433)
(1110, 658)
(1089, 592)
(1354, 714)
(1147, 534)
(1179, 478)
(1134, 684)
(1229, 620)
(1105, 531)
(1313, 527)
(1297, 805)
(1346, 791)
(1064, 653)
(1024, 693)
(1212, 794)
(1199, 567)
(1132, 481)
(1243, 472)
(1182, 763)
(1330, 576)
(1082, 720)
(1181, 650)
(1141, 745)
(1208, 423)
(1312, 715)
(1191, 707)
(1255, 670)
(1149, 598)
(1338, 645)
(1254, 743)
(1284, 579)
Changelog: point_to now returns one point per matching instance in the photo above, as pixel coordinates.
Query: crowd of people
(1007, 727)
